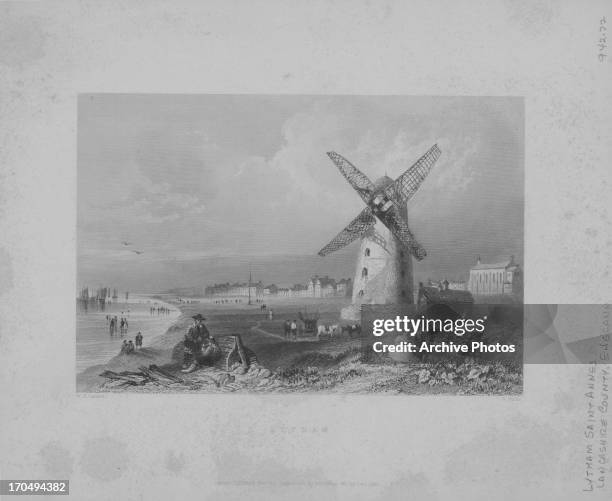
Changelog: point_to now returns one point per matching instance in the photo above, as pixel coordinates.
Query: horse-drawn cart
(310, 322)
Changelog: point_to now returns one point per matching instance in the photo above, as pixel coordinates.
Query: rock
(226, 379)
(254, 370)
(448, 378)
(192, 368)
(265, 373)
(423, 376)
(240, 370)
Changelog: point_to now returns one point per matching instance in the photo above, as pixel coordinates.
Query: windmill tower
(383, 273)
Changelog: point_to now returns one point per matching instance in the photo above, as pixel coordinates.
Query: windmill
(384, 265)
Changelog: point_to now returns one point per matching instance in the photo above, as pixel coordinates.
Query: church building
(496, 279)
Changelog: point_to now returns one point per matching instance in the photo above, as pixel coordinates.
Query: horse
(322, 331)
(327, 330)
(351, 329)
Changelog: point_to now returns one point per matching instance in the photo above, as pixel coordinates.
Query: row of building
(317, 287)
(494, 279)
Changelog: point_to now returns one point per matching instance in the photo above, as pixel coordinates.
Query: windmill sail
(408, 183)
(393, 220)
(356, 228)
(385, 203)
(357, 179)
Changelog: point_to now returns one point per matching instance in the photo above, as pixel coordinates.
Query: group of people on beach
(159, 310)
(129, 347)
(114, 324)
(291, 329)
(230, 300)
(120, 324)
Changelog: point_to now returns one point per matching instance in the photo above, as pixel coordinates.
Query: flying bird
(138, 252)
(126, 243)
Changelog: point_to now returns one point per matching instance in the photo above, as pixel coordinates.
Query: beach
(95, 345)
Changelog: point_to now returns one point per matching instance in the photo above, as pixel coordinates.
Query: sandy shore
(159, 352)
(95, 345)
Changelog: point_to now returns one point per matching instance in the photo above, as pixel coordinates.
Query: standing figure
(294, 329)
(422, 295)
(139, 340)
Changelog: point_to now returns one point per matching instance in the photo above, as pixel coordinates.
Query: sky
(206, 185)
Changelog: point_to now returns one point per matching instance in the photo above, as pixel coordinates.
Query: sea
(95, 345)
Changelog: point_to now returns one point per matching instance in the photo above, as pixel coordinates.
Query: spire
(250, 281)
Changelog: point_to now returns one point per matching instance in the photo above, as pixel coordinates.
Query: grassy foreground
(307, 365)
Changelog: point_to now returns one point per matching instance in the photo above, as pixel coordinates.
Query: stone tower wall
(388, 278)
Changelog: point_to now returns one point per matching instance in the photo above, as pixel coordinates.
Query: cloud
(135, 196)
(157, 203)
(455, 168)
(295, 200)
(185, 189)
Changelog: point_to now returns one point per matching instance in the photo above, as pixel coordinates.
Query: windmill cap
(383, 182)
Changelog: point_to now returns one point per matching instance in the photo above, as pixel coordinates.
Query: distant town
(317, 287)
(485, 279)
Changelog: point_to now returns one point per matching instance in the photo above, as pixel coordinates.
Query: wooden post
(240, 347)
(238, 351)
